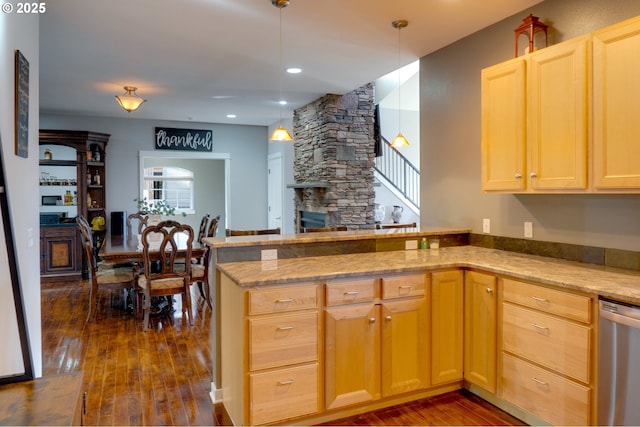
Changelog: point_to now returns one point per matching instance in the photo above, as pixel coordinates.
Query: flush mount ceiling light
(281, 133)
(399, 140)
(130, 101)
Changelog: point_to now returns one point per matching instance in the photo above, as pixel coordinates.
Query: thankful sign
(184, 139)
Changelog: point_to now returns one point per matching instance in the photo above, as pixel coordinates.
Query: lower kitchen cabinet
(548, 352)
(446, 326)
(352, 355)
(480, 329)
(60, 252)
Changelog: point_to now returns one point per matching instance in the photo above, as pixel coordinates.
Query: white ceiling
(200, 60)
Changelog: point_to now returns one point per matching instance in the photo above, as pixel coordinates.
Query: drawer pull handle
(285, 382)
(540, 327)
(284, 301)
(285, 328)
(542, 300)
(372, 320)
(406, 287)
(544, 383)
(351, 293)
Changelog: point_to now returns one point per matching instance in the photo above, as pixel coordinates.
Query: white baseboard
(215, 393)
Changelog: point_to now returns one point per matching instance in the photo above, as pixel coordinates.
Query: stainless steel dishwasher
(618, 370)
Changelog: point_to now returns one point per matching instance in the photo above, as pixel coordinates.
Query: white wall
(21, 32)
(246, 146)
(450, 142)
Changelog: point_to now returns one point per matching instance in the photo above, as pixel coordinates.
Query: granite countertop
(287, 239)
(605, 281)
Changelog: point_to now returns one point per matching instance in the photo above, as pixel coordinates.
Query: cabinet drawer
(283, 393)
(403, 286)
(283, 340)
(350, 292)
(555, 343)
(551, 397)
(276, 300)
(562, 303)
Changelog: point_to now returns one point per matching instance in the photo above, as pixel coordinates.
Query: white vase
(396, 214)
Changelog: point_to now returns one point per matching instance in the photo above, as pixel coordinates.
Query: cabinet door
(557, 110)
(616, 90)
(446, 326)
(352, 355)
(480, 346)
(503, 126)
(404, 346)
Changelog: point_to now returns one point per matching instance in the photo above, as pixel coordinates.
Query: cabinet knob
(533, 175)
(388, 318)
(518, 176)
(372, 320)
(489, 291)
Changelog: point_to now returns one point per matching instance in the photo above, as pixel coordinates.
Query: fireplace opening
(312, 220)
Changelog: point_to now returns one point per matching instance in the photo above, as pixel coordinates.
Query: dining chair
(394, 225)
(103, 275)
(170, 274)
(202, 231)
(141, 219)
(230, 232)
(323, 229)
(213, 226)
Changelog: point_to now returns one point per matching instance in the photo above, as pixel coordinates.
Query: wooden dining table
(128, 247)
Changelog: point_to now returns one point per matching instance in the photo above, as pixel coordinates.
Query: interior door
(274, 191)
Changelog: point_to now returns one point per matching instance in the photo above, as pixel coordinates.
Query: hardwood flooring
(163, 376)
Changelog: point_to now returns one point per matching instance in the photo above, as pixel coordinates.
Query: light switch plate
(486, 225)
(528, 229)
(410, 245)
(268, 254)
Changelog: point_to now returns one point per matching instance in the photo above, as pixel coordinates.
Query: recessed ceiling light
(231, 116)
(282, 102)
(222, 96)
(294, 70)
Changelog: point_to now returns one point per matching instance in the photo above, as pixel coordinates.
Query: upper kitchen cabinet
(616, 90)
(535, 120)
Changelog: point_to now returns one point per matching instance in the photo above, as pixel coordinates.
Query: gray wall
(21, 32)
(450, 140)
(246, 145)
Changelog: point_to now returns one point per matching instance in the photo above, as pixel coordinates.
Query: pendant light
(130, 101)
(399, 140)
(281, 133)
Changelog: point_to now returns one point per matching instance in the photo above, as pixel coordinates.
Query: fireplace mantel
(318, 188)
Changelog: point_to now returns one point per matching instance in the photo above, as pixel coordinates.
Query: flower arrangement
(159, 207)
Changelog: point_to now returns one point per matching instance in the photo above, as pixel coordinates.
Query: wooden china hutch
(72, 183)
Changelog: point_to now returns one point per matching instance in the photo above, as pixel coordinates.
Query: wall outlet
(486, 225)
(528, 229)
(268, 254)
(410, 245)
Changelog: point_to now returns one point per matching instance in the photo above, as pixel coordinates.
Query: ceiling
(199, 60)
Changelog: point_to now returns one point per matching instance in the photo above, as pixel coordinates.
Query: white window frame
(188, 177)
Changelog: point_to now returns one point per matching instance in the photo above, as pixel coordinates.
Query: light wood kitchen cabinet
(375, 347)
(352, 354)
(480, 329)
(616, 90)
(547, 149)
(270, 352)
(446, 326)
(548, 352)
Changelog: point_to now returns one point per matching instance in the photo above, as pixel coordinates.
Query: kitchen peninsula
(322, 337)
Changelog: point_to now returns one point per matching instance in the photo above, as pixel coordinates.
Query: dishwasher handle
(629, 316)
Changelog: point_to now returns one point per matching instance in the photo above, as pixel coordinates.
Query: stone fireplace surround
(334, 159)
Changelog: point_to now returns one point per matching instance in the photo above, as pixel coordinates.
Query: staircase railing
(399, 172)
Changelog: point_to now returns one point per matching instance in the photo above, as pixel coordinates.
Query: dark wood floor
(163, 376)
